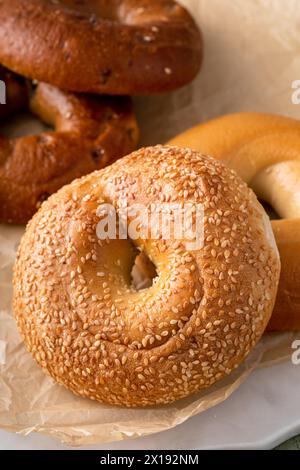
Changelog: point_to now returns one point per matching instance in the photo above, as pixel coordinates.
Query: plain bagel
(264, 150)
(123, 47)
(93, 332)
(90, 133)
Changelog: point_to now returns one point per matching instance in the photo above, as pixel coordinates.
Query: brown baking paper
(251, 59)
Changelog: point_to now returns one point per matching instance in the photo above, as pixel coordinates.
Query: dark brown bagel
(17, 93)
(101, 46)
(90, 133)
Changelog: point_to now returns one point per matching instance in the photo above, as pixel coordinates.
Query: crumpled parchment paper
(251, 59)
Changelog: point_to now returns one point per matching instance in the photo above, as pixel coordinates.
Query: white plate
(261, 414)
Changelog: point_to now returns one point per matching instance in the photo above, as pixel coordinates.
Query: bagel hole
(269, 210)
(23, 124)
(22, 121)
(143, 272)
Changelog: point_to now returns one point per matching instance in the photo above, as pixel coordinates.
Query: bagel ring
(90, 133)
(94, 333)
(264, 150)
(116, 47)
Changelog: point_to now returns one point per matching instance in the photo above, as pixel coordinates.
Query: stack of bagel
(75, 64)
(86, 58)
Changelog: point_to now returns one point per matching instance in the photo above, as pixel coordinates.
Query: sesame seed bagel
(112, 47)
(89, 133)
(93, 332)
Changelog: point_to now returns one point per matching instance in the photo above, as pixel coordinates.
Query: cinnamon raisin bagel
(264, 150)
(93, 332)
(103, 46)
(90, 132)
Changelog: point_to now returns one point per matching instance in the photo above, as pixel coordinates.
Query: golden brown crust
(90, 133)
(264, 149)
(94, 333)
(286, 314)
(102, 46)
